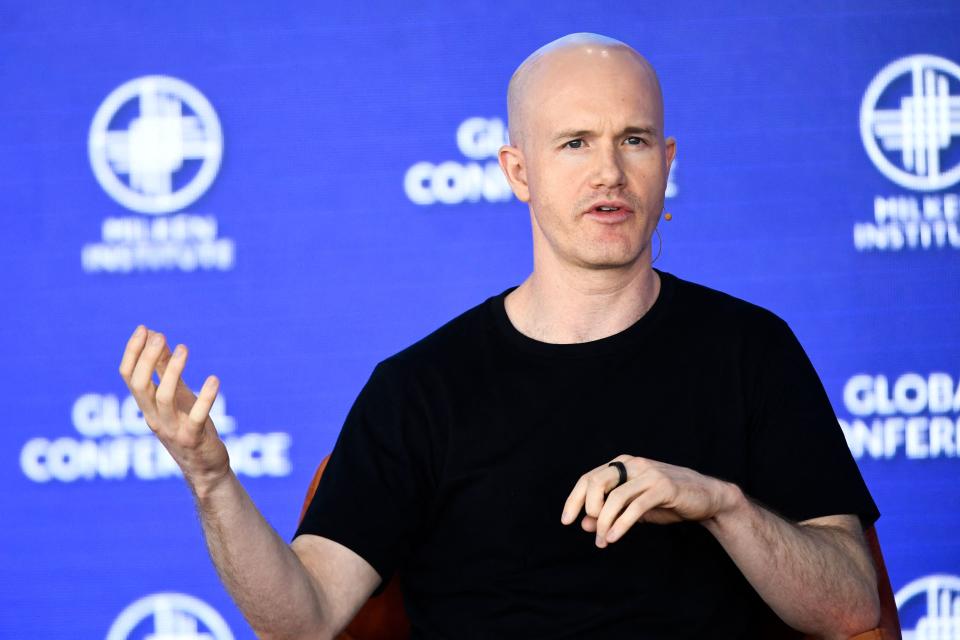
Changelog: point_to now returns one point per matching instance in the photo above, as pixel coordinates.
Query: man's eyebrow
(584, 133)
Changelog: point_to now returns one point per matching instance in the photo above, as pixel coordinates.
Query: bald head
(549, 66)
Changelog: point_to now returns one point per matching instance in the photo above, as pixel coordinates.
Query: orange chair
(383, 617)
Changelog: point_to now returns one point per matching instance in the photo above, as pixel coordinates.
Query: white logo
(922, 125)
(941, 596)
(914, 414)
(455, 181)
(113, 442)
(172, 616)
(159, 140)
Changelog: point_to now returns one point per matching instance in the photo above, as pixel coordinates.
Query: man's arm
(816, 575)
(310, 589)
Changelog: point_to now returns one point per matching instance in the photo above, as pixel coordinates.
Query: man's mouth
(610, 212)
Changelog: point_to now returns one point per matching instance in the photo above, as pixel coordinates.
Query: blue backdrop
(298, 191)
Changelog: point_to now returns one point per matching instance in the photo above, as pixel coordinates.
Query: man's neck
(572, 306)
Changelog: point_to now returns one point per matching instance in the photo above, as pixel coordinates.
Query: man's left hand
(654, 492)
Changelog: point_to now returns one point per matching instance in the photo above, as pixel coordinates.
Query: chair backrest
(889, 628)
(383, 616)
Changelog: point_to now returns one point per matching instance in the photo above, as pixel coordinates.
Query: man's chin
(611, 261)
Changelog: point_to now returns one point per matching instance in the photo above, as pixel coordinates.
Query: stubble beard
(617, 253)
(577, 240)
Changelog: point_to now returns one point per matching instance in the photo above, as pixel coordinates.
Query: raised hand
(654, 492)
(180, 419)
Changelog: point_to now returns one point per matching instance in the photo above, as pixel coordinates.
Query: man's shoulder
(704, 305)
(451, 344)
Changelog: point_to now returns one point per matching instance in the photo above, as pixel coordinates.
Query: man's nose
(608, 168)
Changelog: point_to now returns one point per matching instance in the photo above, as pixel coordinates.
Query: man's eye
(634, 140)
(575, 144)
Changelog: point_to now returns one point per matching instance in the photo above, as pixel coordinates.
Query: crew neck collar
(612, 344)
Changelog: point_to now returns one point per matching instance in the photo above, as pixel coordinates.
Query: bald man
(683, 430)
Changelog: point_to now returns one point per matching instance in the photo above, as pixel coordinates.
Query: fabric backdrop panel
(297, 191)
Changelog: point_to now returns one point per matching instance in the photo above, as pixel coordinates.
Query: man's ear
(514, 167)
(671, 149)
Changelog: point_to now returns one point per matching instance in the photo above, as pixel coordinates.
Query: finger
(146, 361)
(613, 506)
(141, 382)
(589, 524)
(166, 391)
(574, 503)
(132, 352)
(163, 360)
(643, 503)
(201, 408)
(601, 482)
(183, 396)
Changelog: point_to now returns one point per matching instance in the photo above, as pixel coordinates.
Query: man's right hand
(180, 419)
(310, 589)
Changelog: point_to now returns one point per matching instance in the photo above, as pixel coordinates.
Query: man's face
(593, 136)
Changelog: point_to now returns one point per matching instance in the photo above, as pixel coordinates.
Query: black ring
(621, 469)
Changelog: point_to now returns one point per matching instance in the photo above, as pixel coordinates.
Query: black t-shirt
(454, 463)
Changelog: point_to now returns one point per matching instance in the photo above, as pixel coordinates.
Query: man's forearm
(263, 575)
(807, 574)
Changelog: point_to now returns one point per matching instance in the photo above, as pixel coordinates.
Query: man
(688, 427)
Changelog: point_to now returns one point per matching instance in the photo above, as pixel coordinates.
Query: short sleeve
(375, 489)
(799, 464)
